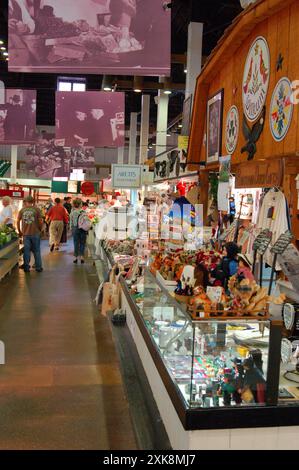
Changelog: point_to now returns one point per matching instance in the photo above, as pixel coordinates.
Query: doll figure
(245, 267)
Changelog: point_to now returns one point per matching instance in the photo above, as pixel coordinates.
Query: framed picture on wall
(214, 126)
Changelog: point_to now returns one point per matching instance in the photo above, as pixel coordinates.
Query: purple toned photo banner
(18, 117)
(48, 158)
(90, 36)
(91, 118)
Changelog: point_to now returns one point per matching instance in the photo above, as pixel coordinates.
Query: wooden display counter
(9, 257)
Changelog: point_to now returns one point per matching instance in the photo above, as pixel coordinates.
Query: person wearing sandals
(79, 235)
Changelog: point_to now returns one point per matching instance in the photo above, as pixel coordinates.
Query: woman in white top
(6, 213)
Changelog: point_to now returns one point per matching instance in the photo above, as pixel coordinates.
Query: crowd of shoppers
(57, 216)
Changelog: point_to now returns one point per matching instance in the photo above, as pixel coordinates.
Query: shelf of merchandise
(210, 428)
(9, 257)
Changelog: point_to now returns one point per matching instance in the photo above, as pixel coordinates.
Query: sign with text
(13, 193)
(183, 141)
(265, 174)
(127, 176)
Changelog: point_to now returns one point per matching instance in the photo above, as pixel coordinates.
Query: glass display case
(212, 363)
(218, 374)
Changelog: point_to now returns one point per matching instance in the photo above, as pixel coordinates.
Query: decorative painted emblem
(256, 79)
(253, 134)
(281, 110)
(232, 130)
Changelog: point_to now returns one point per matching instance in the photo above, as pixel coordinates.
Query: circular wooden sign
(256, 79)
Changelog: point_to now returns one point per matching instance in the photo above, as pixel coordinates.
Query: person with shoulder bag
(80, 225)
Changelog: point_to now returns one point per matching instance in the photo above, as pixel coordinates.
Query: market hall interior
(61, 386)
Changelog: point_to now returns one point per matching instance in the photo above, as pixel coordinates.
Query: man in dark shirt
(30, 222)
(67, 204)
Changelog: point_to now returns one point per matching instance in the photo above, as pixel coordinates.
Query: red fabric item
(260, 388)
(58, 213)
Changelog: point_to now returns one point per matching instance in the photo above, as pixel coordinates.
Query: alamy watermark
(183, 222)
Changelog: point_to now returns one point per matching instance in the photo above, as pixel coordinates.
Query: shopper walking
(58, 216)
(79, 235)
(30, 222)
(68, 204)
(6, 213)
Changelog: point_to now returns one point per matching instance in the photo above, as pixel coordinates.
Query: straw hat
(247, 259)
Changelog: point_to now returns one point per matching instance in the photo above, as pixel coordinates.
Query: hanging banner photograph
(93, 118)
(90, 36)
(48, 158)
(18, 117)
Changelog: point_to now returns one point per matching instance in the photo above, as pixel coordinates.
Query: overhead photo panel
(93, 118)
(90, 36)
(18, 117)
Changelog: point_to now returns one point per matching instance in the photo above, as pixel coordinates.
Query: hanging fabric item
(273, 216)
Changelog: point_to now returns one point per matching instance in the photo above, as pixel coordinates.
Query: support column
(120, 155)
(144, 132)
(162, 121)
(133, 139)
(14, 160)
(194, 56)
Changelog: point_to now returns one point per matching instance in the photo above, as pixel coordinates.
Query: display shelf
(9, 257)
(170, 394)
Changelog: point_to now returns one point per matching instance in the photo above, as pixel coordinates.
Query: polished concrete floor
(61, 386)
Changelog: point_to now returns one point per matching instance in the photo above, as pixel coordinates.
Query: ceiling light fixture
(1, 42)
(185, 70)
(5, 54)
(138, 84)
(107, 83)
(3, 48)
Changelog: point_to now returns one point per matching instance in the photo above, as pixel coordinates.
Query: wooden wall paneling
(271, 19)
(269, 143)
(291, 141)
(260, 30)
(198, 124)
(226, 78)
(282, 47)
(238, 70)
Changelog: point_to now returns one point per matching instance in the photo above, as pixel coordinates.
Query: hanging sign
(267, 174)
(13, 193)
(118, 37)
(87, 188)
(127, 176)
(183, 141)
(256, 79)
